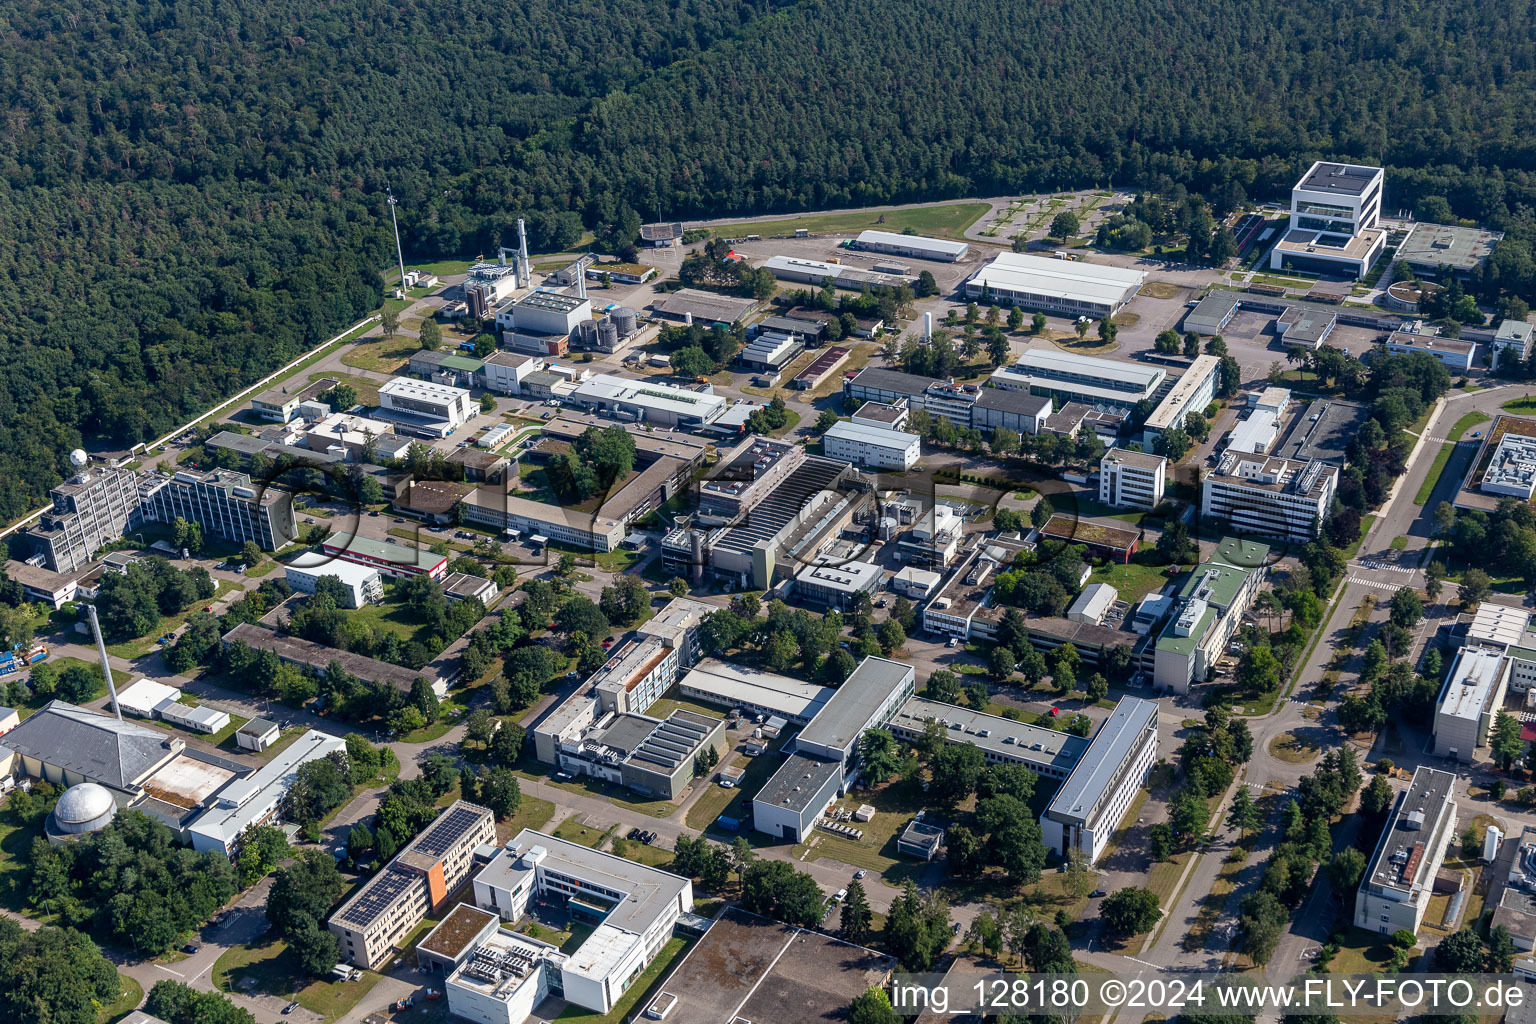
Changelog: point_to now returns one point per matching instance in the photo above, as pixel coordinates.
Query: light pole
(399, 255)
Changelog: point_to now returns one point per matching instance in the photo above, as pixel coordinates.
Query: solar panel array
(442, 835)
(380, 894)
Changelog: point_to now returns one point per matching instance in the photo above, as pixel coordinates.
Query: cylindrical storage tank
(586, 333)
(607, 335)
(625, 320)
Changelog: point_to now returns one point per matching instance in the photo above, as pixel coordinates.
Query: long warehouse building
(1078, 378)
(1065, 287)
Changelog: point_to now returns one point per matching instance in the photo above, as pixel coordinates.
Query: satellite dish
(78, 457)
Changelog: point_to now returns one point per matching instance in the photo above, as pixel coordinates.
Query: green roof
(1241, 553)
(1185, 645)
(1225, 582)
(464, 363)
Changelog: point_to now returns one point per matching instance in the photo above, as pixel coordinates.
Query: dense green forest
(192, 192)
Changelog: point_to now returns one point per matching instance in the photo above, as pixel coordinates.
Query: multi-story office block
(1397, 886)
(227, 506)
(1269, 495)
(1090, 804)
(1130, 479)
(91, 510)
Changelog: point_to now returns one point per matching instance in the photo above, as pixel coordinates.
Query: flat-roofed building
(1334, 224)
(1043, 751)
(461, 586)
(837, 586)
(1110, 540)
(426, 405)
(1065, 287)
(915, 583)
(654, 757)
(317, 658)
(494, 507)
(417, 882)
(394, 560)
(1093, 604)
(1130, 479)
(1212, 313)
(1269, 495)
(892, 416)
(876, 384)
(633, 908)
(1323, 430)
(770, 351)
(1473, 693)
(843, 275)
(872, 446)
(462, 371)
(455, 937)
(1457, 354)
(1208, 611)
(636, 674)
(867, 699)
(754, 692)
(257, 799)
(1088, 807)
(1512, 341)
(821, 368)
(1072, 377)
(89, 511)
(893, 243)
(662, 405)
(1512, 889)
(1191, 393)
(350, 436)
(505, 371)
(661, 235)
(278, 405)
(1431, 249)
(227, 504)
(362, 582)
(502, 979)
(1398, 884)
(1256, 434)
(696, 306)
(1018, 411)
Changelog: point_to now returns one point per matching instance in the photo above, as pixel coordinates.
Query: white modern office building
(257, 799)
(362, 581)
(1512, 469)
(1513, 340)
(1089, 805)
(1398, 884)
(1191, 393)
(872, 446)
(1335, 221)
(893, 243)
(1075, 378)
(633, 908)
(1130, 479)
(1269, 495)
(1473, 693)
(1207, 612)
(1457, 354)
(425, 404)
(1065, 287)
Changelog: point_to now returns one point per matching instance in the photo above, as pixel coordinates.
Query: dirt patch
(1163, 289)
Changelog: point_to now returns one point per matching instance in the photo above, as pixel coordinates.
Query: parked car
(290, 1008)
(859, 874)
(1097, 893)
(190, 948)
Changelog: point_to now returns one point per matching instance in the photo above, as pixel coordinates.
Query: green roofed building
(1208, 609)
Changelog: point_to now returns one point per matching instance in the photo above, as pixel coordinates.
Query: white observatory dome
(78, 457)
(83, 808)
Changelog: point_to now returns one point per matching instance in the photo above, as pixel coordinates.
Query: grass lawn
(1133, 581)
(1162, 289)
(391, 615)
(640, 853)
(938, 221)
(225, 737)
(637, 993)
(1293, 749)
(1086, 506)
(119, 677)
(367, 389)
(895, 805)
(1361, 952)
(1399, 543)
(1443, 456)
(1467, 422)
(1523, 406)
(587, 835)
(735, 802)
(269, 969)
(385, 355)
(532, 812)
(131, 649)
(130, 995)
(620, 561)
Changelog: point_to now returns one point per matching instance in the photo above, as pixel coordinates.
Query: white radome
(84, 808)
(78, 457)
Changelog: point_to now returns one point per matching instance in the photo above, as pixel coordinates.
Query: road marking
(167, 970)
(1388, 568)
(1371, 583)
(1143, 963)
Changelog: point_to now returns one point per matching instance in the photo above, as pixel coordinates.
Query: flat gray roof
(1110, 746)
(849, 711)
(1343, 179)
(799, 779)
(1402, 858)
(1008, 400)
(1448, 245)
(1322, 430)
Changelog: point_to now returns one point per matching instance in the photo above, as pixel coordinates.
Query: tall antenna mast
(399, 254)
(106, 666)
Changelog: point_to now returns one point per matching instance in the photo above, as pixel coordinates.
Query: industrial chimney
(106, 666)
(525, 271)
(928, 327)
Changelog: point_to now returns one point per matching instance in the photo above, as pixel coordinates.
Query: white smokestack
(928, 327)
(581, 284)
(524, 270)
(106, 666)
